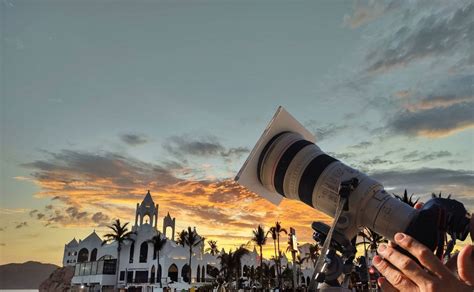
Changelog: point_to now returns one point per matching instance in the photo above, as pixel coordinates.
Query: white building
(140, 270)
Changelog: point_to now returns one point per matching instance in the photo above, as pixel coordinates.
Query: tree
(293, 250)
(267, 275)
(120, 235)
(433, 195)
(406, 199)
(373, 238)
(273, 233)
(158, 241)
(212, 249)
(260, 239)
(231, 263)
(299, 262)
(278, 230)
(192, 239)
(313, 254)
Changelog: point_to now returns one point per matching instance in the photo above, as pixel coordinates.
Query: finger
(451, 263)
(419, 205)
(466, 264)
(392, 244)
(424, 255)
(394, 276)
(472, 228)
(385, 285)
(404, 264)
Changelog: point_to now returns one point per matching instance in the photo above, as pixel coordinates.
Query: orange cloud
(85, 192)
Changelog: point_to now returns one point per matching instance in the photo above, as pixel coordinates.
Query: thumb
(466, 264)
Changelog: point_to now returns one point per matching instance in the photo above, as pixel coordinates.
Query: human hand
(402, 273)
(462, 262)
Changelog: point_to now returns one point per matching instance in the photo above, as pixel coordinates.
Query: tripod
(338, 252)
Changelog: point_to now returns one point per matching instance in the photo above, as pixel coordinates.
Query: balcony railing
(100, 267)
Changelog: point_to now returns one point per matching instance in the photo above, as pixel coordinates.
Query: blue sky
(187, 87)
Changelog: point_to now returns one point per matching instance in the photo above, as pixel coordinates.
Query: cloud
(75, 214)
(428, 180)
(182, 146)
(366, 11)
(434, 122)
(375, 161)
(237, 152)
(343, 155)
(324, 131)
(100, 218)
(134, 139)
(443, 93)
(416, 155)
(70, 169)
(435, 33)
(204, 146)
(362, 145)
(21, 225)
(85, 193)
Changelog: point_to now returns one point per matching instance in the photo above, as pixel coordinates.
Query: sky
(104, 100)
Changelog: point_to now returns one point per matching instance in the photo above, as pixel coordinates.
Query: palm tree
(260, 239)
(274, 235)
(373, 238)
(159, 242)
(226, 264)
(120, 235)
(313, 253)
(299, 262)
(267, 275)
(212, 249)
(406, 199)
(293, 257)
(433, 195)
(278, 230)
(231, 263)
(192, 239)
(273, 232)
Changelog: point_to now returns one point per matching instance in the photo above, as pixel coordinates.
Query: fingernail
(399, 236)
(382, 248)
(377, 260)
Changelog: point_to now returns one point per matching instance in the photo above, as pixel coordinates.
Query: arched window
(93, 255)
(173, 273)
(152, 275)
(166, 232)
(303, 281)
(132, 251)
(198, 273)
(203, 274)
(83, 255)
(186, 273)
(245, 271)
(307, 281)
(158, 277)
(143, 252)
(147, 219)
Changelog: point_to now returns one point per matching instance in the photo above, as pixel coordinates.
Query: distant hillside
(28, 275)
